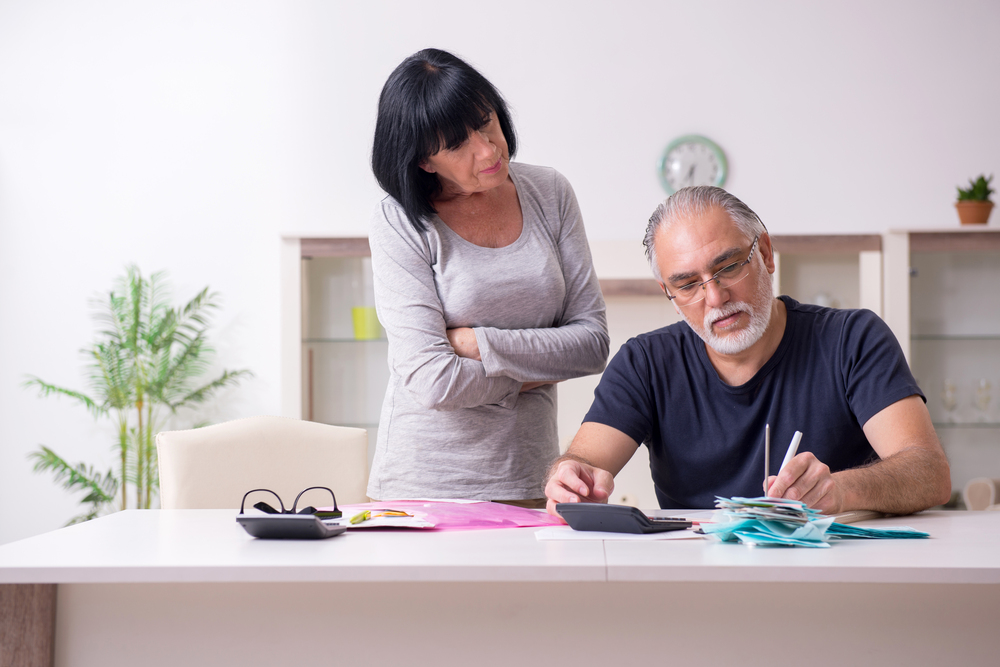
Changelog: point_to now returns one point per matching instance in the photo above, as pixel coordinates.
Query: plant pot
(974, 212)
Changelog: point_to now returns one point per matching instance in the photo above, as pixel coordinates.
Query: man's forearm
(910, 480)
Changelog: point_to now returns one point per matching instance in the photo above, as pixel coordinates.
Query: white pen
(793, 447)
(767, 455)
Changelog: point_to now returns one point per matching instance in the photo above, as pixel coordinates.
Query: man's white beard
(759, 309)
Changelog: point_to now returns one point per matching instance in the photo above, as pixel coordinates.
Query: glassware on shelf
(949, 399)
(366, 324)
(983, 398)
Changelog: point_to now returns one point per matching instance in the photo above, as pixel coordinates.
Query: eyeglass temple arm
(326, 488)
(281, 504)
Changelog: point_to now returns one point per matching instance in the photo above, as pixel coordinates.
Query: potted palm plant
(974, 205)
(149, 359)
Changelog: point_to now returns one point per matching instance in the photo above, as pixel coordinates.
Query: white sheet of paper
(567, 533)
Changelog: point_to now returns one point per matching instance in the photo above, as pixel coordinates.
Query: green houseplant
(147, 362)
(974, 205)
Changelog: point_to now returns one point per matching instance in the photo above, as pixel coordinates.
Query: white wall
(189, 135)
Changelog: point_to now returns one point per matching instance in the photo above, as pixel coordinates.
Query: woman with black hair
(485, 286)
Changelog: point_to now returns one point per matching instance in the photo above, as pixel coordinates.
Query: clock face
(692, 160)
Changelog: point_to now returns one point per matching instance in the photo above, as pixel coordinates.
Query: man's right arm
(585, 473)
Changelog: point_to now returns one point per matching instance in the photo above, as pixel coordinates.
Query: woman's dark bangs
(450, 122)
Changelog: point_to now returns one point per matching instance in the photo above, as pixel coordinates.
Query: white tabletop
(963, 548)
(209, 546)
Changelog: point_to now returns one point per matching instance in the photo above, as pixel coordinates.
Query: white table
(190, 587)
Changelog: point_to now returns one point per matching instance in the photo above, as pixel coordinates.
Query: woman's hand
(463, 341)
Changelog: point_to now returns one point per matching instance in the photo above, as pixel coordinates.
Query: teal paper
(781, 522)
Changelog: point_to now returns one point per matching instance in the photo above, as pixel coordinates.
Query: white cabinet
(331, 375)
(842, 271)
(943, 303)
(334, 351)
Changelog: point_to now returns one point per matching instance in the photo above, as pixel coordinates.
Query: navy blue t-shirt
(833, 370)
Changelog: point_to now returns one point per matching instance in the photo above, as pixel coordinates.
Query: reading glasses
(267, 509)
(725, 278)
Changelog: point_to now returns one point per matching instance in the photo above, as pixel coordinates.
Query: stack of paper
(843, 531)
(778, 521)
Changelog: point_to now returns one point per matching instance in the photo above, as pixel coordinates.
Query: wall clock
(692, 160)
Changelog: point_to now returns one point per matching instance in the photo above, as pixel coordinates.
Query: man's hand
(574, 481)
(463, 341)
(587, 471)
(911, 474)
(809, 480)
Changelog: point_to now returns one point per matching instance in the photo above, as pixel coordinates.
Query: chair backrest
(980, 493)
(212, 467)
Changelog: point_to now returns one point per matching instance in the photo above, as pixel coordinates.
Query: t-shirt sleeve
(623, 399)
(578, 344)
(410, 310)
(876, 374)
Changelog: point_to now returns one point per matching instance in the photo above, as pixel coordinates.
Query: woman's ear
(426, 166)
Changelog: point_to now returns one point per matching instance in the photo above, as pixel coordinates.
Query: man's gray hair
(695, 201)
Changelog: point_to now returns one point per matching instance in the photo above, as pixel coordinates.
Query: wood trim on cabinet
(630, 287)
(956, 241)
(336, 247)
(826, 243)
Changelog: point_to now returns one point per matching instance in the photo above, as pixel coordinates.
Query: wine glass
(983, 398)
(949, 399)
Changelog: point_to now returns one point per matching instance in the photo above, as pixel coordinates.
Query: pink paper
(462, 516)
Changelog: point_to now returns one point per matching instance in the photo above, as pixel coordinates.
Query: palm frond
(100, 488)
(195, 316)
(46, 389)
(204, 392)
(112, 375)
(190, 361)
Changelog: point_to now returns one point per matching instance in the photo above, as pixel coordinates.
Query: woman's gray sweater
(453, 427)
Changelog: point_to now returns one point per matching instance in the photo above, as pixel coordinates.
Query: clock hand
(690, 176)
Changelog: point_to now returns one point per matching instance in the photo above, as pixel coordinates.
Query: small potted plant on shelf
(974, 205)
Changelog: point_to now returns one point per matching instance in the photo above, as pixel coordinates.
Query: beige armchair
(212, 467)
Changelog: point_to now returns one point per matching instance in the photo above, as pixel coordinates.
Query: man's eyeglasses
(335, 513)
(726, 277)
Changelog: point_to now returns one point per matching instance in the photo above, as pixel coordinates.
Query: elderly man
(700, 392)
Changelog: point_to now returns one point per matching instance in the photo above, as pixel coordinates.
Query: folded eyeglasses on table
(290, 524)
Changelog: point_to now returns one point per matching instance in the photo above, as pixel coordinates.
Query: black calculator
(615, 519)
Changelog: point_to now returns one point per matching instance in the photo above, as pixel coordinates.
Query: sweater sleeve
(578, 344)
(410, 310)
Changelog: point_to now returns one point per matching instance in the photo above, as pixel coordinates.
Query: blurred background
(190, 135)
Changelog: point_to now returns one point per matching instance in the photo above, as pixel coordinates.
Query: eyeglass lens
(724, 278)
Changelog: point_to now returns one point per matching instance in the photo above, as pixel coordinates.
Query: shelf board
(825, 243)
(956, 240)
(345, 340)
(966, 424)
(335, 247)
(630, 287)
(956, 337)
